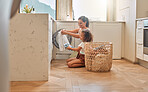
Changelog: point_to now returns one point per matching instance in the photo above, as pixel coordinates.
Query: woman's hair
(84, 19)
(87, 35)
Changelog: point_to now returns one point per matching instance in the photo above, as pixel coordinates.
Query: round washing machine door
(54, 38)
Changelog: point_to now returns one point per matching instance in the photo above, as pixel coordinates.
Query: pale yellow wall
(142, 8)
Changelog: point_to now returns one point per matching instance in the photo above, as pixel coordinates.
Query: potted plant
(27, 10)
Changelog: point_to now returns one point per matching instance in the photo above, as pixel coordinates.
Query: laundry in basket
(98, 56)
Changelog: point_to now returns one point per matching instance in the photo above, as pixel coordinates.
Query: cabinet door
(66, 25)
(109, 32)
(139, 35)
(139, 51)
(140, 24)
(145, 57)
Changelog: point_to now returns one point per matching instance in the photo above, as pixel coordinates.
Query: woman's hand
(63, 32)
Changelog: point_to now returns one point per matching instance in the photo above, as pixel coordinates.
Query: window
(41, 6)
(93, 9)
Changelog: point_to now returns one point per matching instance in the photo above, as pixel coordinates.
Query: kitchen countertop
(92, 21)
(142, 18)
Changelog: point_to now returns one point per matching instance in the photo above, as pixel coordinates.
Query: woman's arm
(72, 31)
(72, 34)
(74, 49)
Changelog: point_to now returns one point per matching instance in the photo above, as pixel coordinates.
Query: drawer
(140, 24)
(139, 51)
(145, 57)
(139, 35)
(67, 26)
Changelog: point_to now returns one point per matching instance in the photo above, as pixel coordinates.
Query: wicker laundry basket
(98, 56)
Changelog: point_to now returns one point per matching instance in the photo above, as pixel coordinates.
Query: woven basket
(98, 56)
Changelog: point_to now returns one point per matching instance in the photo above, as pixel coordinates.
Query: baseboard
(135, 62)
(143, 63)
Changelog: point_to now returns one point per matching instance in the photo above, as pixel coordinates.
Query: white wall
(126, 11)
(93, 9)
(111, 10)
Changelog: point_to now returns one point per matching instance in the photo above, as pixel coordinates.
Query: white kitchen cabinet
(139, 51)
(129, 11)
(66, 25)
(102, 31)
(109, 32)
(141, 54)
(140, 24)
(139, 40)
(145, 58)
(142, 57)
(139, 35)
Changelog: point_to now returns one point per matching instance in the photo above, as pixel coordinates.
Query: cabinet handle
(140, 28)
(139, 43)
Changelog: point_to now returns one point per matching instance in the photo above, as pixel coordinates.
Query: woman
(83, 23)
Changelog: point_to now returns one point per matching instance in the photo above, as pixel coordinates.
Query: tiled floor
(123, 77)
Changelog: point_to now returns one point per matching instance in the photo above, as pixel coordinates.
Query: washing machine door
(54, 38)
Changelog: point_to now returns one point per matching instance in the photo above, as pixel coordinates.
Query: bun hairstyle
(87, 35)
(84, 19)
